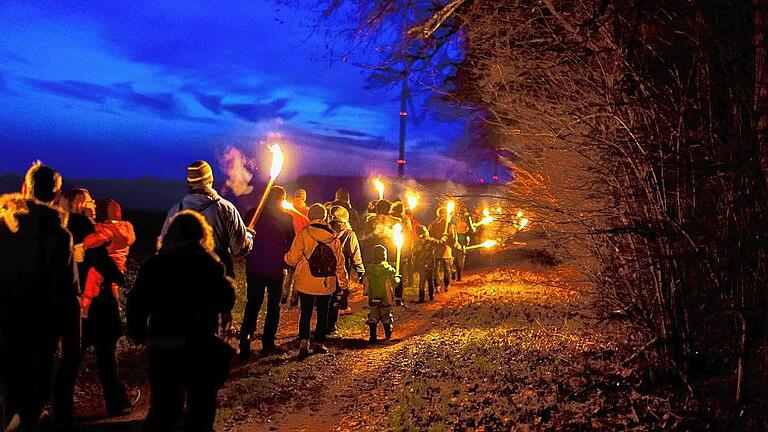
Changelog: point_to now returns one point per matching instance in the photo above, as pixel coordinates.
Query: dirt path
(503, 350)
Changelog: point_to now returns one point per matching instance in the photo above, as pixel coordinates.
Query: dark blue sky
(141, 88)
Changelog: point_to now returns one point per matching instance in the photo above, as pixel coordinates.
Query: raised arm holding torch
(274, 171)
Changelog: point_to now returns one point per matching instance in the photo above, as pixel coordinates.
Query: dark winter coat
(178, 296)
(274, 235)
(38, 281)
(377, 230)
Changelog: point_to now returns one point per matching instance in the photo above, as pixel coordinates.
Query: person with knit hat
(231, 238)
(342, 199)
(300, 204)
(353, 262)
(319, 261)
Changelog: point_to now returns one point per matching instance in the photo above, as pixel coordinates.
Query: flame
(397, 234)
(498, 209)
(489, 244)
(487, 218)
(379, 185)
(520, 214)
(412, 198)
(277, 160)
(287, 205)
(450, 207)
(523, 223)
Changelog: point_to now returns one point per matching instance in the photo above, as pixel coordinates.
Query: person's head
(42, 183)
(79, 201)
(317, 212)
(342, 195)
(199, 175)
(379, 253)
(340, 214)
(277, 195)
(188, 228)
(398, 209)
(107, 210)
(383, 206)
(300, 195)
(441, 212)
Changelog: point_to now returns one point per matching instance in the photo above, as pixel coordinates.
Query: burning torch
(397, 233)
(274, 171)
(379, 185)
(487, 218)
(288, 207)
(484, 245)
(449, 209)
(413, 199)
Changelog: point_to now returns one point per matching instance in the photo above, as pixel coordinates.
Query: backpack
(322, 262)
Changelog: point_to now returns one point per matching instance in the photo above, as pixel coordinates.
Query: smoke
(238, 169)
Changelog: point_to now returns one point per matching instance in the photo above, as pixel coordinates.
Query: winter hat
(199, 175)
(301, 194)
(316, 212)
(340, 213)
(379, 253)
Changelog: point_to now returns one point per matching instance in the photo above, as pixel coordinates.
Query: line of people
(182, 298)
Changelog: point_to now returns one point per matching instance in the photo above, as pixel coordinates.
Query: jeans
(443, 265)
(174, 373)
(459, 257)
(256, 288)
(426, 277)
(308, 302)
(115, 396)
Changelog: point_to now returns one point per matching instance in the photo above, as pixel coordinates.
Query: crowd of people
(64, 260)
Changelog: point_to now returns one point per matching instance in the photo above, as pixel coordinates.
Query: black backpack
(322, 262)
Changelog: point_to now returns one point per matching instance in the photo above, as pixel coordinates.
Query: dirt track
(499, 351)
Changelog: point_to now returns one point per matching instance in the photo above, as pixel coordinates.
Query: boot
(372, 339)
(388, 331)
(303, 349)
(319, 348)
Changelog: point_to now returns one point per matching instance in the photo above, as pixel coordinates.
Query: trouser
(459, 256)
(26, 366)
(308, 303)
(173, 374)
(336, 302)
(426, 277)
(115, 396)
(442, 265)
(256, 288)
(69, 366)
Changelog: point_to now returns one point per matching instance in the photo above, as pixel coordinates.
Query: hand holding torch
(274, 171)
(484, 245)
(288, 207)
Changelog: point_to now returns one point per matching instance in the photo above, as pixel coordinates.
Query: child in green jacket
(381, 279)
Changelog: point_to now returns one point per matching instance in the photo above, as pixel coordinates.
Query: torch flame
(489, 244)
(277, 160)
(379, 185)
(523, 223)
(397, 233)
(287, 205)
(450, 207)
(519, 214)
(487, 218)
(412, 198)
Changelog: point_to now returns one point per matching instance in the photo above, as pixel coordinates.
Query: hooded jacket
(229, 233)
(301, 249)
(350, 246)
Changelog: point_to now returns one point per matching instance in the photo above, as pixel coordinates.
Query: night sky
(141, 88)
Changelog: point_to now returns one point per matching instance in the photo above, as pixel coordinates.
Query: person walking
(230, 236)
(379, 287)
(319, 261)
(442, 229)
(38, 293)
(100, 310)
(353, 262)
(342, 199)
(180, 299)
(265, 270)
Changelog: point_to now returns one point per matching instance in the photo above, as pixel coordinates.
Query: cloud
(354, 133)
(210, 102)
(72, 89)
(255, 112)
